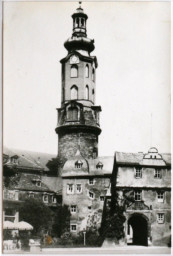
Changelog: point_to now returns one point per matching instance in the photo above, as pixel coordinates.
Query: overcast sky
(132, 45)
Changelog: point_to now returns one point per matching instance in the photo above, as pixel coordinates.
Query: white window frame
(157, 173)
(160, 217)
(89, 194)
(136, 194)
(91, 179)
(138, 172)
(70, 191)
(71, 225)
(77, 191)
(160, 196)
(101, 199)
(73, 209)
(47, 200)
(54, 201)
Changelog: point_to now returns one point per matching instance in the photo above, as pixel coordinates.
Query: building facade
(87, 178)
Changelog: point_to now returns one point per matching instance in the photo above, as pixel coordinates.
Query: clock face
(74, 59)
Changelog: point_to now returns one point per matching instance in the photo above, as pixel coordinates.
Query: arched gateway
(137, 231)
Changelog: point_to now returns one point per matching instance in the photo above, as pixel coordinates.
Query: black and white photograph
(86, 165)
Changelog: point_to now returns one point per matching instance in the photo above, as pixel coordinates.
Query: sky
(132, 46)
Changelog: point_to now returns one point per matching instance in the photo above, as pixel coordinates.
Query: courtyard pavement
(130, 250)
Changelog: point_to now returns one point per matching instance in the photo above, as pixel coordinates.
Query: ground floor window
(73, 227)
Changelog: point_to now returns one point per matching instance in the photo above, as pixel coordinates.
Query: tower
(78, 118)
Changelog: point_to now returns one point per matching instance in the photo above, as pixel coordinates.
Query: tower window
(87, 92)
(72, 114)
(158, 174)
(160, 218)
(82, 22)
(74, 71)
(160, 196)
(93, 74)
(92, 95)
(63, 93)
(138, 195)
(77, 22)
(138, 173)
(87, 71)
(74, 92)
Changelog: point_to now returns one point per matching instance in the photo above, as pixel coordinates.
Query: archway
(138, 230)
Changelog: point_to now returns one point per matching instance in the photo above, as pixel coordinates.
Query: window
(63, 93)
(93, 75)
(158, 174)
(91, 195)
(99, 165)
(10, 215)
(63, 71)
(31, 195)
(54, 199)
(45, 198)
(70, 189)
(160, 218)
(89, 208)
(87, 71)
(138, 172)
(74, 92)
(78, 188)
(78, 164)
(73, 227)
(138, 195)
(91, 181)
(72, 114)
(73, 208)
(102, 198)
(74, 71)
(87, 92)
(38, 183)
(92, 95)
(160, 196)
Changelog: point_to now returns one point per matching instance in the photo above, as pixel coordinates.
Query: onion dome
(79, 40)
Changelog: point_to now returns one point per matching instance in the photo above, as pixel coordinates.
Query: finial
(80, 4)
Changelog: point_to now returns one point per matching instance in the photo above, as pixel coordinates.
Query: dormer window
(99, 165)
(78, 164)
(158, 174)
(38, 183)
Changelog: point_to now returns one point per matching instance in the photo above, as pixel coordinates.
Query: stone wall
(89, 211)
(68, 144)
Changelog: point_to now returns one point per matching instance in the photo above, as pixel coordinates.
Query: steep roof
(69, 169)
(137, 158)
(26, 182)
(30, 159)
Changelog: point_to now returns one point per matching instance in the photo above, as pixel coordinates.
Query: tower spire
(80, 3)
